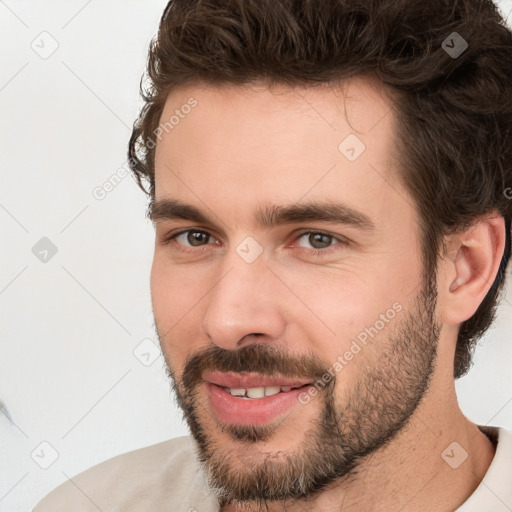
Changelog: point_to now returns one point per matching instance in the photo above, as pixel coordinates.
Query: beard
(332, 446)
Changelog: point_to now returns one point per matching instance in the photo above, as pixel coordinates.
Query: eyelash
(315, 252)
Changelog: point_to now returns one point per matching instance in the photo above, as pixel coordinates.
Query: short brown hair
(454, 112)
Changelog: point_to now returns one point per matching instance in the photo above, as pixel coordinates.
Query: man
(328, 182)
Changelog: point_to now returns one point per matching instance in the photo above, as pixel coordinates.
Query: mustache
(265, 359)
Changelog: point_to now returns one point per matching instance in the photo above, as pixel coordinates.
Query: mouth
(259, 392)
(232, 380)
(252, 399)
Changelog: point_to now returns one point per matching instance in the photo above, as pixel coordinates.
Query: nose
(247, 301)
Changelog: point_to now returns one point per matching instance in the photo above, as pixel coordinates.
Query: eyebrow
(269, 216)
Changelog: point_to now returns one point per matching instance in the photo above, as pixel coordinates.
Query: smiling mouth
(259, 392)
(256, 405)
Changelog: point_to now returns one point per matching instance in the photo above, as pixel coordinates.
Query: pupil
(317, 237)
(195, 236)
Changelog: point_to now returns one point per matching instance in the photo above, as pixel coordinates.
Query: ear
(467, 274)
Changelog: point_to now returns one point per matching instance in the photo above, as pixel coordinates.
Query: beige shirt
(167, 477)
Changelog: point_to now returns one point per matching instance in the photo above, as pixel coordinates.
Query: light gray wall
(72, 326)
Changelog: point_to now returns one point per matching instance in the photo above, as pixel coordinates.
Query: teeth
(258, 392)
(272, 390)
(237, 392)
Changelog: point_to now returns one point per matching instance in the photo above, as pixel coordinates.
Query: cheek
(174, 289)
(161, 291)
(339, 299)
(173, 297)
(352, 320)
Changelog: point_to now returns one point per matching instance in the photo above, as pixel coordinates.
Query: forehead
(242, 146)
(356, 105)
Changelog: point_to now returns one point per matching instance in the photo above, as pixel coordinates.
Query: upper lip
(236, 381)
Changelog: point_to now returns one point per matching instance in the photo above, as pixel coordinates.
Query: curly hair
(449, 63)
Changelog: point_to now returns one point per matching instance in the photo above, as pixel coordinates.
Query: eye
(321, 243)
(190, 238)
(314, 242)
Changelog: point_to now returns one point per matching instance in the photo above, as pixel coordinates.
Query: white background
(69, 326)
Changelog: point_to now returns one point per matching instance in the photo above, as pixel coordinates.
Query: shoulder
(495, 490)
(141, 479)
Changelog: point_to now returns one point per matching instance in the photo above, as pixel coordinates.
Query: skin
(242, 148)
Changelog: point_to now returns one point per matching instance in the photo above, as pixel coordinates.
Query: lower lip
(255, 411)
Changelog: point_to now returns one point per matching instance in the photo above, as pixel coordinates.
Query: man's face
(335, 304)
